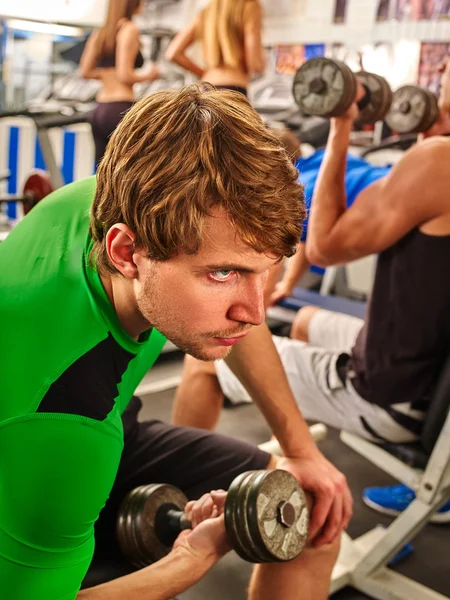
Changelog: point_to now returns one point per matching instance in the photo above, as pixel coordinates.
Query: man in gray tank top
(374, 377)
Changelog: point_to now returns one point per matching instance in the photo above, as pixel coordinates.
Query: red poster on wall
(442, 9)
(289, 58)
(431, 57)
(415, 10)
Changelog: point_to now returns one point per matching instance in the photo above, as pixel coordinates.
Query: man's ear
(120, 247)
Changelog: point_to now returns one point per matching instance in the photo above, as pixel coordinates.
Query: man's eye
(222, 275)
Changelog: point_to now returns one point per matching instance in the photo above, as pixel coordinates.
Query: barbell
(36, 187)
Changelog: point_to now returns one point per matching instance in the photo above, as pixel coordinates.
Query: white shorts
(314, 381)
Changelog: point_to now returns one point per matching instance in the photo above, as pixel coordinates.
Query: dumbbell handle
(365, 100)
(177, 520)
(170, 521)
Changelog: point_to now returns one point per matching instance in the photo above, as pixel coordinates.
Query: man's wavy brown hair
(178, 155)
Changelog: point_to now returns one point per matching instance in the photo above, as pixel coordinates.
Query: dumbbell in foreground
(326, 87)
(266, 519)
(36, 187)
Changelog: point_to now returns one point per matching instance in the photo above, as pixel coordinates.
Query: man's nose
(248, 306)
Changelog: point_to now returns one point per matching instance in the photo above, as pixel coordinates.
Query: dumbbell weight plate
(380, 97)
(413, 110)
(235, 519)
(124, 531)
(153, 497)
(433, 113)
(37, 186)
(136, 524)
(245, 531)
(133, 549)
(138, 530)
(270, 493)
(324, 87)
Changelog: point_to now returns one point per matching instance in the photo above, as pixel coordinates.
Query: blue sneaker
(393, 499)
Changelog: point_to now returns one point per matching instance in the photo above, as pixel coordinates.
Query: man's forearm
(256, 363)
(329, 199)
(162, 580)
(297, 267)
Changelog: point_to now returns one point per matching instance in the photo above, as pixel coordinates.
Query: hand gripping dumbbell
(413, 110)
(36, 187)
(266, 519)
(327, 88)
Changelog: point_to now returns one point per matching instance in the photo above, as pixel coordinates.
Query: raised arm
(126, 52)
(256, 363)
(296, 268)
(176, 51)
(88, 62)
(255, 59)
(384, 212)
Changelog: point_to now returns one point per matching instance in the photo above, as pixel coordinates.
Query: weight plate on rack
(37, 186)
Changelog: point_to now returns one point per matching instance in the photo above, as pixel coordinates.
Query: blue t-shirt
(359, 174)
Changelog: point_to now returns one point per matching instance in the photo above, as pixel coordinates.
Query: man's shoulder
(433, 147)
(424, 164)
(82, 191)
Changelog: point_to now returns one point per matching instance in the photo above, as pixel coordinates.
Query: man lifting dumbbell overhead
(373, 377)
(359, 174)
(163, 242)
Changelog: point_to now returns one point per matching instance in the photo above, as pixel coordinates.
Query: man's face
(444, 93)
(205, 303)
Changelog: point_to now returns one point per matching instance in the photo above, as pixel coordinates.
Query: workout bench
(424, 467)
(287, 308)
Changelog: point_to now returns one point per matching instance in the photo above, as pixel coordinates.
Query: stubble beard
(166, 323)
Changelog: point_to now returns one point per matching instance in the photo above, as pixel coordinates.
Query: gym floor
(428, 564)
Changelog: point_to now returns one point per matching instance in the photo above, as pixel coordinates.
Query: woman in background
(230, 34)
(112, 55)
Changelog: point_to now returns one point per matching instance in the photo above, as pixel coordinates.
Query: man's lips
(230, 341)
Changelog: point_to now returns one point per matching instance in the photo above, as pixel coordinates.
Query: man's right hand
(282, 290)
(207, 540)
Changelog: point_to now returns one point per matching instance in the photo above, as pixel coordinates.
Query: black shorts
(194, 460)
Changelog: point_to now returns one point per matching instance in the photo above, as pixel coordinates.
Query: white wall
(76, 12)
(311, 21)
(286, 21)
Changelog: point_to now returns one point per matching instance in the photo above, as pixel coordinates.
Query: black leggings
(104, 119)
(194, 460)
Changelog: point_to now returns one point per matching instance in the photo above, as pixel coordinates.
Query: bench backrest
(438, 410)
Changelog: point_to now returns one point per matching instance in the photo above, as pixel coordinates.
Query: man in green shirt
(193, 203)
